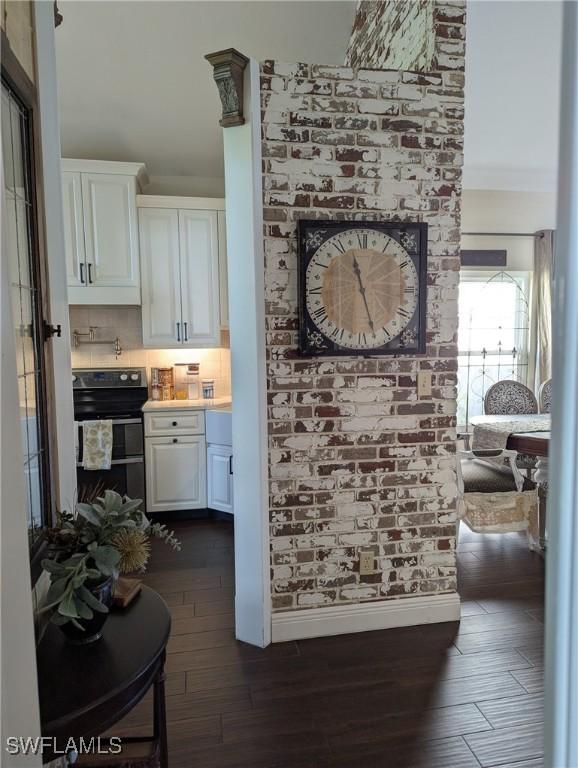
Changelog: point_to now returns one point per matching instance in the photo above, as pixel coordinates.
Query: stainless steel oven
(118, 395)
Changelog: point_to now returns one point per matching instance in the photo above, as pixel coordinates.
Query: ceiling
(134, 84)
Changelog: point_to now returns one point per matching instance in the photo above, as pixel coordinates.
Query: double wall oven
(118, 395)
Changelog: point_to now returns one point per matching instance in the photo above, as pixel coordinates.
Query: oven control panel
(91, 378)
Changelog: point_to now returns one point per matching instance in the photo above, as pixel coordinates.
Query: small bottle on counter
(208, 389)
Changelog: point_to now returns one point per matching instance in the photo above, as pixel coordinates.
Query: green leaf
(91, 600)
(56, 618)
(105, 556)
(88, 512)
(56, 590)
(130, 505)
(67, 607)
(83, 610)
(51, 566)
(112, 501)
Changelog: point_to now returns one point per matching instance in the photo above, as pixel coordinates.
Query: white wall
(186, 186)
(507, 211)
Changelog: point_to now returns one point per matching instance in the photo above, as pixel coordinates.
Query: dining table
(529, 435)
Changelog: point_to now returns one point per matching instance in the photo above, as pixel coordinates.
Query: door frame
(27, 93)
(561, 625)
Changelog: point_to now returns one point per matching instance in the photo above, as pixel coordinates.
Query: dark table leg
(160, 717)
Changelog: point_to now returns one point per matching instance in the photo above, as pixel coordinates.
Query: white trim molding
(364, 617)
(138, 170)
(177, 201)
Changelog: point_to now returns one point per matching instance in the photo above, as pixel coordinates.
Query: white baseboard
(364, 617)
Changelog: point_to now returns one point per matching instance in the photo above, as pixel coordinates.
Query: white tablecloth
(494, 431)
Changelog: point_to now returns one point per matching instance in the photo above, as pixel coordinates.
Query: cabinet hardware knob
(175, 423)
(175, 440)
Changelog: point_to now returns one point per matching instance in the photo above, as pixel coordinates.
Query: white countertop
(221, 403)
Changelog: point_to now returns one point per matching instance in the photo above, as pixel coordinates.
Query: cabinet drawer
(169, 423)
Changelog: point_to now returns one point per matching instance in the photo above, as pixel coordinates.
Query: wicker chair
(545, 396)
(494, 496)
(509, 397)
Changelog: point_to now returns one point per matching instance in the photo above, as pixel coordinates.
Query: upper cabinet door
(160, 274)
(110, 230)
(199, 278)
(223, 270)
(73, 229)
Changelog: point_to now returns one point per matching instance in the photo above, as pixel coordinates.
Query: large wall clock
(362, 287)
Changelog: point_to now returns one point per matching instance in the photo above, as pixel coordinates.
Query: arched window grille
(493, 337)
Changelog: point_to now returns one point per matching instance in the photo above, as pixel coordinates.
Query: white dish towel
(97, 444)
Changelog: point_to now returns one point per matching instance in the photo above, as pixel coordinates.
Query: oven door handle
(114, 421)
(114, 462)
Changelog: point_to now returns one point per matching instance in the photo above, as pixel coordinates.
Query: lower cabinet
(220, 478)
(176, 473)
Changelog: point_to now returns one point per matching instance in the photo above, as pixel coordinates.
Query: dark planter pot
(91, 628)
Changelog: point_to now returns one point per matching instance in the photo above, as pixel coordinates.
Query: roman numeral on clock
(315, 290)
(403, 312)
(362, 240)
(320, 314)
(340, 247)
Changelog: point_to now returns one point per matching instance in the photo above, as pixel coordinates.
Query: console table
(84, 690)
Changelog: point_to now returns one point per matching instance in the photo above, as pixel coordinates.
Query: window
(23, 257)
(493, 335)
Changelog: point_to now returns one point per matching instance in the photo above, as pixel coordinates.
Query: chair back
(509, 397)
(545, 396)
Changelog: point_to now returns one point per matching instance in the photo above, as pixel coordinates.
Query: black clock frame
(395, 230)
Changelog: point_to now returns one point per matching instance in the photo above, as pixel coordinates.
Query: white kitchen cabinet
(223, 271)
(220, 478)
(199, 278)
(101, 231)
(73, 229)
(175, 473)
(160, 276)
(181, 292)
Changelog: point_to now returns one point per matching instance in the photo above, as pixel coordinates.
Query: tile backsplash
(125, 322)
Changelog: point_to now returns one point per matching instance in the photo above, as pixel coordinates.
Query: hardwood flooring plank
(531, 679)
(470, 608)
(197, 596)
(216, 638)
(228, 655)
(215, 607)
(496, 621)
(494, 748)
(508, 604)
(474, 689)
(190, 624)
(511, 637)
(519, 710)
(444, 753)
(534, 654)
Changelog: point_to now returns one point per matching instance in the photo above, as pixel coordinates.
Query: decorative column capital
(228, 67)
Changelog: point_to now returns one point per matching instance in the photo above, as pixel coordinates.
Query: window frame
(24, 91)
(523, 348)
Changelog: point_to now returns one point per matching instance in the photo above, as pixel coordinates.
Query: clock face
(362, 287)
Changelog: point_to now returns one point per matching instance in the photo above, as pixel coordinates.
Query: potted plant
(110, 535)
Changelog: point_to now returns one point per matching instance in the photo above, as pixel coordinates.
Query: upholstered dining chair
(509, 397)
(493, 495)
(545, 396)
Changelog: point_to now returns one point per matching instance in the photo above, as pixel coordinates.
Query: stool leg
(160, 717)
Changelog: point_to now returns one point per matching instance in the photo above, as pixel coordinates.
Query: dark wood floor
(440, 696)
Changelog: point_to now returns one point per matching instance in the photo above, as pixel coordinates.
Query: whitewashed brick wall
(356, 460)
(407, 34)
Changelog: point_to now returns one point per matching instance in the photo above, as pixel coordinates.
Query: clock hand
(362, 292)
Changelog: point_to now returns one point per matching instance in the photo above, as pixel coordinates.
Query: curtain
(542, 305)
